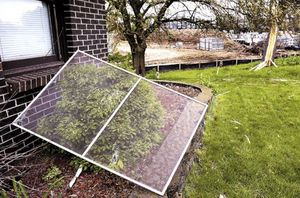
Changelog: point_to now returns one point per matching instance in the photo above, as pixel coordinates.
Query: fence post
(179, 65)
(221, 63)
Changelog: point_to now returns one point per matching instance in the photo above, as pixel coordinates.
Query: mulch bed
(89, 184)
(187, 90)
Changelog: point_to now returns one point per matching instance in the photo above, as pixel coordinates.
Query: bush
(90, 94)
(76, 162)
(133, 132)
(123, 61)
(152, 74)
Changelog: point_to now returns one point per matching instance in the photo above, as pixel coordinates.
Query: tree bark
(268, 59)
(271, 47)
(138, 59)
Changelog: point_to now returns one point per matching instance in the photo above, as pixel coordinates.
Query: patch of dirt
(188, 90)
(161, 48)
(89, 184)
(160, 54)
(185, 35)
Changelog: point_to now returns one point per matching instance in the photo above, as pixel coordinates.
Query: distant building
(288, 39)
(177, 25)
(211, 44)
(284, 39)
(249, 38)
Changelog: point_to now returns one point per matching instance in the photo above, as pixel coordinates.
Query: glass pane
(75, 106)
(24, 29)
(148, 135)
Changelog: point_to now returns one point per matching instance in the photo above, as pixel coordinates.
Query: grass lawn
(251, 145)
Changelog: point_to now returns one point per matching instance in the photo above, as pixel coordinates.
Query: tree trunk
(271, 48)
(138, 58)
(268, 59)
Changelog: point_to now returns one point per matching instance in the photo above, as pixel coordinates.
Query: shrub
(123, 61)
(90, 94)
(18, 189)
(76, 162)
(152, 74)
(133, 131)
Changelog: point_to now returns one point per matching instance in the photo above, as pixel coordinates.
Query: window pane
(24, 29)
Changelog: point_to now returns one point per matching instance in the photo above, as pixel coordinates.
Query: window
(25, 30)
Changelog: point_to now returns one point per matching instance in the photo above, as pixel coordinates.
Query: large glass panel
(75, 106)
(148, 135)
(136, 129)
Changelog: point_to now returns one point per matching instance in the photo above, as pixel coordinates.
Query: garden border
(205, 64)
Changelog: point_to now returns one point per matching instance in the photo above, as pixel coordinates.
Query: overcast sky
(202, 12)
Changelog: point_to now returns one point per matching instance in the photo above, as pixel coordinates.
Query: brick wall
(86, 26)
(13, 140)
(85, 29)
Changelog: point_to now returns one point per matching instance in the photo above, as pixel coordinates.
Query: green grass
(262, 107)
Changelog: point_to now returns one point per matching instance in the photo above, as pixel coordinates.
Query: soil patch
(187, 90)
(161, 54)
(89, 184)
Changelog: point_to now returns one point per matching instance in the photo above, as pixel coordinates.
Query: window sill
(28, 78)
